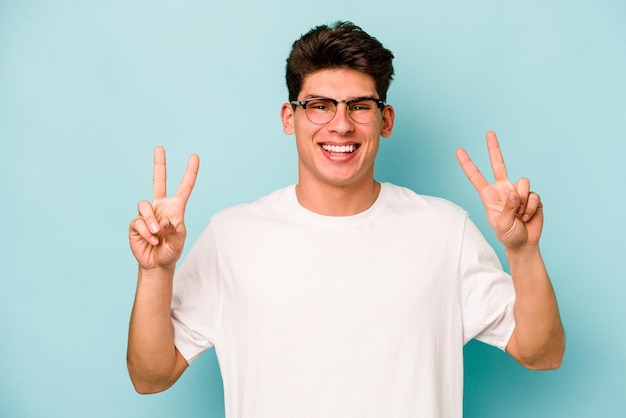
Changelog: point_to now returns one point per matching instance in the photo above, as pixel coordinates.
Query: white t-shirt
(357, 316)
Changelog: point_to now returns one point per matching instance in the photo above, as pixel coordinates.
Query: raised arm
(516, 215)
(157, 236)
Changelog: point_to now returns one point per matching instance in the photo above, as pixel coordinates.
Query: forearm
(153, 362)
(538, 341)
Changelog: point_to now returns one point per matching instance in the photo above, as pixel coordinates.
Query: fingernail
(513, 196)
(154, 228)
(154, 240)
(525, 218)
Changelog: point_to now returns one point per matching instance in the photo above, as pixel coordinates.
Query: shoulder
(399, 197)
(275, 204)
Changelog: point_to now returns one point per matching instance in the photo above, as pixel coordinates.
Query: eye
(362, 105)
(320, 105)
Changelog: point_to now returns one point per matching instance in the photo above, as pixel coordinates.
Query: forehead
(338, 83)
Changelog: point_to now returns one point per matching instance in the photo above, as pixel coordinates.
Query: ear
(287, 116)
(388, 118)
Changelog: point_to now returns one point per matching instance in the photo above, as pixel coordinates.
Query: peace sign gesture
(513, 211)
(157, 235)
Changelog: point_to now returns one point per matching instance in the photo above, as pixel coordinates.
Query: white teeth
(341, 149)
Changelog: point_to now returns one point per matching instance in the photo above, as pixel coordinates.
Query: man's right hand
(157, 235)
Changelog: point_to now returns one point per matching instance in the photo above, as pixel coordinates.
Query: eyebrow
(314, 96)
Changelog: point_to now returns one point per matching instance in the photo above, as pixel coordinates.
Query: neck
(330, 200)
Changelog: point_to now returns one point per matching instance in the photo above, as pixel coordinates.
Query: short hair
(340, 45)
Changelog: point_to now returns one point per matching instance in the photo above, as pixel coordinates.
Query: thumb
(166, 224)
(509, 213)
(174, 231)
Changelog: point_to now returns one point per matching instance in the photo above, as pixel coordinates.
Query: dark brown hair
(341, 45)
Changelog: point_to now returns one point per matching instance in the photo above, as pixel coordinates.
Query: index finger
(189, 179)
(159, 177)
(495, 156)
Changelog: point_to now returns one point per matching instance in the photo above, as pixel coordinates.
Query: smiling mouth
(339, 149)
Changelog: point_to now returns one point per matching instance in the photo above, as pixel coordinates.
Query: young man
(340, 296)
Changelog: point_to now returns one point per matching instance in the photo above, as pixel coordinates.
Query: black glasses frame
(379, 104)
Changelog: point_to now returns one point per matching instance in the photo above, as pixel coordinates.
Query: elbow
(144, 385)
(146, 389)
(550, 359)
(548, 356)
(153, 376)
(142, 388)
(545, 364)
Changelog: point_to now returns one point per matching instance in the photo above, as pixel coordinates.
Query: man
(340, 296)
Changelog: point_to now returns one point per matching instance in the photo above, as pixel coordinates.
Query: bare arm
(538, 341)
(153, 362)
(516, 215)
(157, 237)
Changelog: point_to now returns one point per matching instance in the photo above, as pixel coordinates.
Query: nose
(341, 122)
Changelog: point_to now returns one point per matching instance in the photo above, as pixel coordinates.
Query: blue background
(88, 88)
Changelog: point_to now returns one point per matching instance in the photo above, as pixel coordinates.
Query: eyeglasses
(322, 110)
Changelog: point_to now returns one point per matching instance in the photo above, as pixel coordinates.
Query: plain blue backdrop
(88, 88)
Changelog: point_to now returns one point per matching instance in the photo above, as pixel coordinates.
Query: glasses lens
(320, 110)
(362, 110)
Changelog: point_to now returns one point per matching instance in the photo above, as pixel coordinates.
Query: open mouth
(340, 149)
